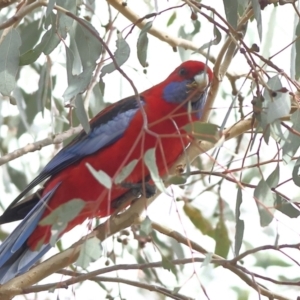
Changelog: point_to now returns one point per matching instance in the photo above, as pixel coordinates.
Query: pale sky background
(162, 60)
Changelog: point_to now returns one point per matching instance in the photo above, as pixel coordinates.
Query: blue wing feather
(15, 256)
(107, 127)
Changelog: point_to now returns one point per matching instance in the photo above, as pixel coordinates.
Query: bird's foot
(140, 189)
(137, 190)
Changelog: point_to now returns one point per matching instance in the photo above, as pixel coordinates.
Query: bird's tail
(15, 255)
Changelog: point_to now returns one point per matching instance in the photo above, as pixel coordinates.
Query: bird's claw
(140, 189)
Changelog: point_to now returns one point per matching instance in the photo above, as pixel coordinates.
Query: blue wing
(107, 127)
(15, 256)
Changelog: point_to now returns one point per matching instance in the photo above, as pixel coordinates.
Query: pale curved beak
(201, 81)
(199, 86)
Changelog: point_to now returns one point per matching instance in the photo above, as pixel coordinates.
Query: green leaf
(31, 109)
(64, 213)
(242, 5)
(273, 178)
(177, 249)
(121, 55)
(126, 171)
(50, 7)
(231, 12)
(30, 56)
(222, 239)
(257, 16)
(176, 290)
(267, 260)
(78, 83)
(203, 131)
(142, 44)
(265, 202)
(292, 142)
(59, 218)
(197, 26)
(297, 46)
(146, 227)
(200, 222)
(43, 94)
(17, 177)
(88, 46)
(276, 131)
(215, 41)
(239, 224)
(30, 35)
(150, 161)
(49, 42)
(9, 61)
(261, 117)
(168, 265)
(141, 260)
(81, 114)
(101, 176)
(184, 54)
(96, 101)
(241, 293)
(90, 251)
(296, 175)
(69, 63)
(172, 19)
(207, 260)
(177, 180)
(64, 22)
(288, 208)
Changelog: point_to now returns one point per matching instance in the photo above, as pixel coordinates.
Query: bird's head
(188, 82)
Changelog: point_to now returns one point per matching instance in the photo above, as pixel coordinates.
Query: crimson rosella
(119, 134)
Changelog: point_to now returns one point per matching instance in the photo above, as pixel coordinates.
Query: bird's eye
(182, 72)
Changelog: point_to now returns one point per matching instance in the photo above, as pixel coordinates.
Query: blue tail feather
(15, 256)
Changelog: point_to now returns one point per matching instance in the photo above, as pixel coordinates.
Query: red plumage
(165, 108)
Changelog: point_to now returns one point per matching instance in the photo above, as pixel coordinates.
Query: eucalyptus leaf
(81, 114)
(9, 61)
(126, 171)
(203, 131)
(146, 227)
(215, 41)
(239, 224)
(59, 218)
(292, 142)
(231, 12)
(101, 176)
(142, 44)
(297, 46)
(65, 22)
(150, 161)
(30, 35)
(199, 221)
(221, 237)
(89, 48)
(287, 207)
(121, 55)
(172, 19)
(265, 201)
(90, 251)
(257, 16)
(64, 213)
(78, 84)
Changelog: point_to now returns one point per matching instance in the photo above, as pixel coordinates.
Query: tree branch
(55, 139)
(232, 267)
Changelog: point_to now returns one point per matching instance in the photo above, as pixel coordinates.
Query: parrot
(119, 135)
